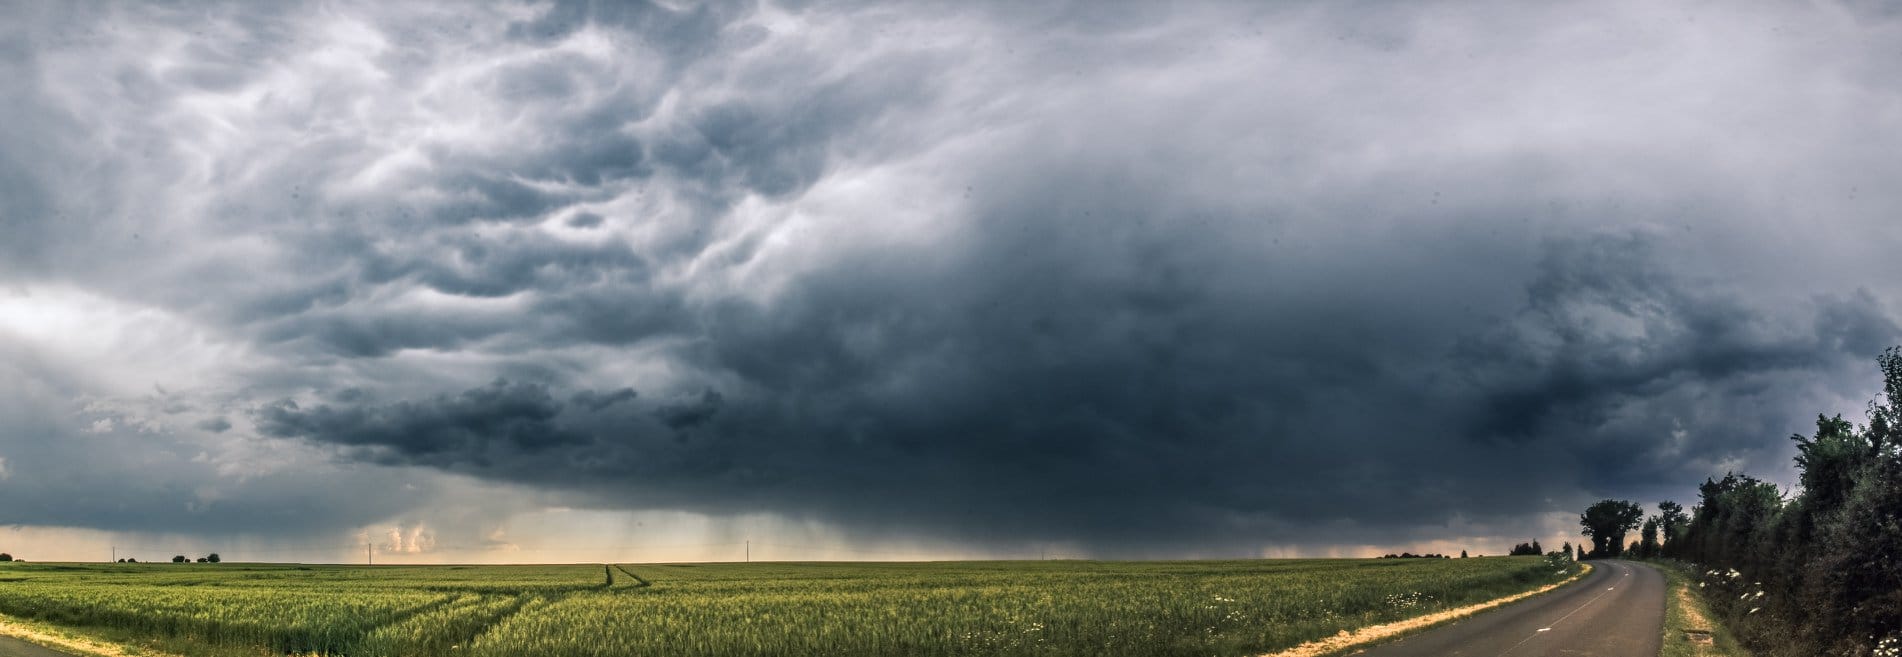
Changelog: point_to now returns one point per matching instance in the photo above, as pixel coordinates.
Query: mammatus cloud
(1145, 279)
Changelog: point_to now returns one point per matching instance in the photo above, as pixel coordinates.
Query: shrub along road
(1615, 611)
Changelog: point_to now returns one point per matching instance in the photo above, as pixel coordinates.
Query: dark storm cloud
(1611, 346)
(1166, 275)
(690, 413)
(595, 401)
(1605, 320)
(510, 417)
(1125, 406)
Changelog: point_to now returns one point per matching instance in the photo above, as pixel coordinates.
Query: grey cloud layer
(1129, 278)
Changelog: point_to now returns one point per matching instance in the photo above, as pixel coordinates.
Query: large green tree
(1672, 521)
(1607, 522)
(1648, 538)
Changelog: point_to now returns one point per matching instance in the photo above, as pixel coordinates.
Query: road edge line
(1374, 633)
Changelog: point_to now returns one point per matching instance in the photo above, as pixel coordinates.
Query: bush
(1815, 574)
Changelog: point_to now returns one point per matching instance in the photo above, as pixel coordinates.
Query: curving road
(1616, 611)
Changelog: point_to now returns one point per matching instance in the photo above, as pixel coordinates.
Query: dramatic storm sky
(575, 282)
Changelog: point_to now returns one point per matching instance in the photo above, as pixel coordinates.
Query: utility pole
(749, 551)
(368, 556)
(115, 554)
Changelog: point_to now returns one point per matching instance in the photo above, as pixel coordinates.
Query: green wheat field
(942, 608)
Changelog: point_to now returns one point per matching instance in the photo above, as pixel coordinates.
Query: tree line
(209, 558)
(1817, 572)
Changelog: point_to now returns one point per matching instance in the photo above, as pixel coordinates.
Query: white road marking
(1556, 622)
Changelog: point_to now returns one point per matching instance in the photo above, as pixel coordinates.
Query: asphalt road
(11, 647)
(1616, 611)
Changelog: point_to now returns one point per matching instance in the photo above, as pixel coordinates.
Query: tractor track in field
(642, 581)
(522, 601)
(415, 611)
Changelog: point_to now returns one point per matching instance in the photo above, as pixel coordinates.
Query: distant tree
(1607, 522)
(5, 557)
(1535, 547)
(213, 557)
(1462, 554)
(1568, 551)
(1525, 550)
(179, 559)
(1648, 539)
(131, 560)
(202, 560)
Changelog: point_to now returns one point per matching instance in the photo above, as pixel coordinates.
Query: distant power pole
(369, 557)
(749, 552)
(115, 554)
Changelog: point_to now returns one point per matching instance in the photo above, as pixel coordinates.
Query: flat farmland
(939, 608)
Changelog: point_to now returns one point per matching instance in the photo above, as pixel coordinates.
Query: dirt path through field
(24, 639)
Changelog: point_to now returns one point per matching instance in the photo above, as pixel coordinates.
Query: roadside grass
(1686, 613)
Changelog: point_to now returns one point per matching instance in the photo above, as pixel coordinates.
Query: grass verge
(1690, 629)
